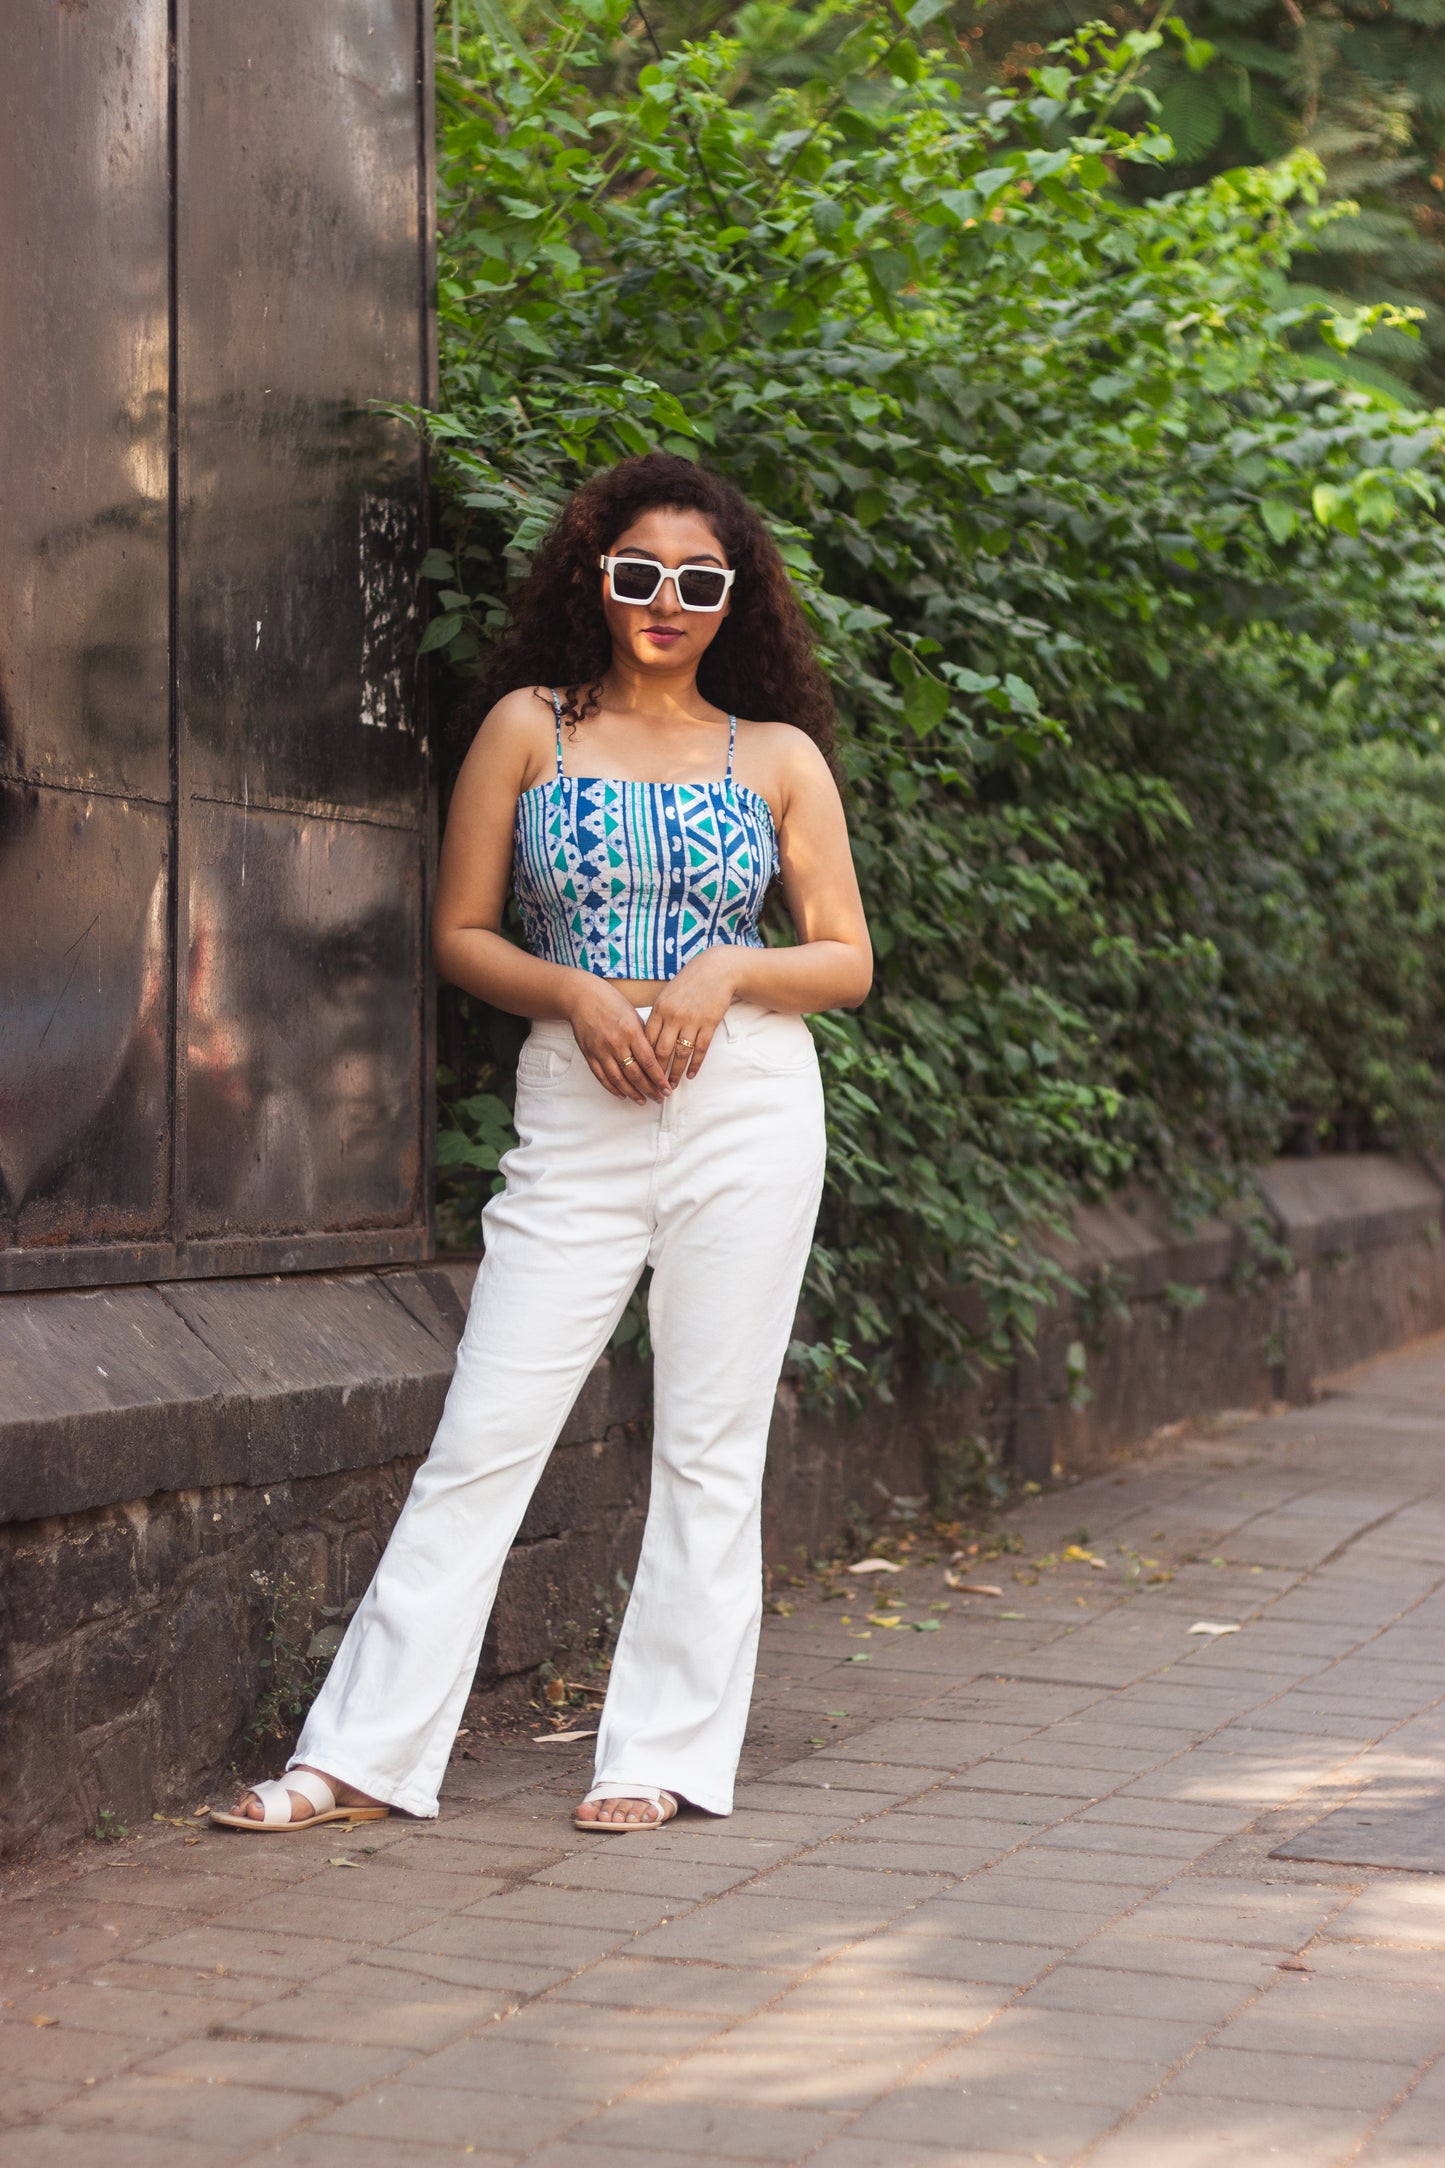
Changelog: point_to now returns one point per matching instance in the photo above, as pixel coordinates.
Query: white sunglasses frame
(665, 573)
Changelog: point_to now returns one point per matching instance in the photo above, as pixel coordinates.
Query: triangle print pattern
(632, 880)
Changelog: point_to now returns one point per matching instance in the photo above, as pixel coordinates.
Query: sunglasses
(639, 580)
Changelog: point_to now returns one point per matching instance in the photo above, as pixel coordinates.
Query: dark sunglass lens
(634, 579)
(703, 589)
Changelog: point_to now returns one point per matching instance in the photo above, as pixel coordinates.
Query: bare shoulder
(515, 738)
(787, 757)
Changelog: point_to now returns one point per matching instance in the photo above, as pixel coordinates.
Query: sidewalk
(998, 1892)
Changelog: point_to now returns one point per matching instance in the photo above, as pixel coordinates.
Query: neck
(667, 695)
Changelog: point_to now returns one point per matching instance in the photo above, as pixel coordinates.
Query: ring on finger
(684, 1042)
(627, 1061)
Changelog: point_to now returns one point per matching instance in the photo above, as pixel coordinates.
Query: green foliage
(1114, 596)
(1233, 82)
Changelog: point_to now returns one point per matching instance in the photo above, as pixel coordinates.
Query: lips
(663, 635)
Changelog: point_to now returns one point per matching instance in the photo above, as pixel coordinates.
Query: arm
(832, 965)
(468, 945)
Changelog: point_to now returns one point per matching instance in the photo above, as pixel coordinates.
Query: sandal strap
(650, 1792)
(275, 1797)
(314, 1789)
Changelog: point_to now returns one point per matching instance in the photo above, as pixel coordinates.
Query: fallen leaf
(555, 1690)
(1206, 1626)
(927, 1625)
(341, 1862)
(561, 1738)
(859, 1658)
(1157, 1580)
(1293, 1964)
(45, 2021)
(876, 1618)
(1081, 1557)
(1013, 1614)
(972, 1588)
(875, 1565)
(193, 1840)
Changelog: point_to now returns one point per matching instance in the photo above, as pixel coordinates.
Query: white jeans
(718, 1190)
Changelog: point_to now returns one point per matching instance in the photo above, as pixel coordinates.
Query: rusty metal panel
(83, 422)
(84, 1018)
(304, 983)
(299, 274)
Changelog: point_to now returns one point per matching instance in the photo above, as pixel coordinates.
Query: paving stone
(817, 1879)
(395, 2011)
(232, 1950)
(980, 2066)
(981, 1921)
(61, 2054)
(954, 1957)
(1402, 1912)
(900, 1857)
(498, 2062)
(940, 2114)
(643, 1984)
(796, 2068)
(893, 2153)
(318, 2149)
(1307, 2081)
(1183, 2130)
(221, 2118)
(519, 1948)
(650, 1877)
(308, 1910)
(92, 2006)
(587, 2153)
(54, 2147)
(597, 2027)
(1076, 1985)
(315, 2066)
(1305, 2015)
(1000, 1885)
(1118, 1950)
(772, 1932)
(704, 2128)
(456, 2116)
(616, 1912)
(1024, 2028)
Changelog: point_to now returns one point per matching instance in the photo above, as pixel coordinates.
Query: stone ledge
(1351, 1201)
(111, 1395)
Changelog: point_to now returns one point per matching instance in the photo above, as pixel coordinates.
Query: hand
(614, 1046)
(688, 1011)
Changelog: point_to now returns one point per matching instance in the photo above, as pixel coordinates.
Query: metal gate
(215, 816)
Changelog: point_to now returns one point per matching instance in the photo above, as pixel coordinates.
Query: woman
(669, 1113)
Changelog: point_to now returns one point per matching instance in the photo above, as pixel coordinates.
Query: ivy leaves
(1104, 578)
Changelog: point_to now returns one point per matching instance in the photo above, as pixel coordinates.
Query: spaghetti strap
(732, 742)
(557, 711)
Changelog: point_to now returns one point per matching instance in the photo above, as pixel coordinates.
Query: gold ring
(627, 1061)
(684, 1042)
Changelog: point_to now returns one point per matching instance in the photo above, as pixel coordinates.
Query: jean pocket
(539, 1066)
(769, 1040)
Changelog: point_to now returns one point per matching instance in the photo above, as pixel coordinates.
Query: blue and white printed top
(632, 880)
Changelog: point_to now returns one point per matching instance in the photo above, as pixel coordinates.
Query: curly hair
(762, 663)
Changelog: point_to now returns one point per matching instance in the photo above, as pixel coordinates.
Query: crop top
(632, 880)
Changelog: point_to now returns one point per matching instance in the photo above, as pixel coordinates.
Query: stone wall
(182, 1464)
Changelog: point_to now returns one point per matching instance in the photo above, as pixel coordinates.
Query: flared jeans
(717, 1189)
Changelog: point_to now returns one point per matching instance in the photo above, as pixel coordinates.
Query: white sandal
(276, 1812)
(665, 1803)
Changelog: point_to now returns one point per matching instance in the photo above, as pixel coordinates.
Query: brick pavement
(997, 1892)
